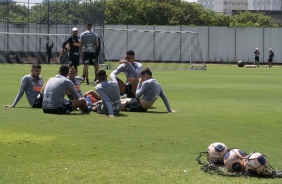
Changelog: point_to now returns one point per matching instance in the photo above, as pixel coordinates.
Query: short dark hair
(130, 52)
(101, 73)
(89, 25)
(35, 66)
(64, 70)
(146, 71)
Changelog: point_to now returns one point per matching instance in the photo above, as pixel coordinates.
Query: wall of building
(264, 4)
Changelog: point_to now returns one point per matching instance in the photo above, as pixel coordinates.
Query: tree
(161, 12)
(128, 12)
(249, 19)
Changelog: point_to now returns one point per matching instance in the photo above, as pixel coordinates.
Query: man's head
(35, 70)
(146, 74)
(74, 31)
(101, 75)
(72, 73)
(130, 56)
(89, 26)
(64, 70)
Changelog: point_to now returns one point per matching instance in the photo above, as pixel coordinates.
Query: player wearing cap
(256, 53)
(73, 41)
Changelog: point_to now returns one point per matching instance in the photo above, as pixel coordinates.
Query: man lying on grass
(148, 91)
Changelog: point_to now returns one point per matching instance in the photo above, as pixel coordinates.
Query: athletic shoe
(95, 82)
(123, 96)
(87, 82)
(83, 78)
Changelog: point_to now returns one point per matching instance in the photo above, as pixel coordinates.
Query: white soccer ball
(234, 160)
(256, 164)
(216, 152)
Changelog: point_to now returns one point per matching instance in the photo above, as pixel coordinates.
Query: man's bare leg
(85, 72)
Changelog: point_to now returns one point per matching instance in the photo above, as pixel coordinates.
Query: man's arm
(72, 90)
(96, 43)
(107, 101)
(164, 98)
(114, 73)
(81, 46)
(135, 72)
(141, 88)
(64, 47)
(24, 84)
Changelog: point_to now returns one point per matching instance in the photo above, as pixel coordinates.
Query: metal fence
(218, 44)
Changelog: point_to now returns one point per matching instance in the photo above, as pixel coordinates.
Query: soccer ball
(234, 160)
(256, 164)
(216, 152)
(241, 63)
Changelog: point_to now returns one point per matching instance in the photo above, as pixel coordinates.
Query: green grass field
(240, 107)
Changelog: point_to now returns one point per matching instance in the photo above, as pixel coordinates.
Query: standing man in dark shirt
(49, 46)
(270, 58)
(73, 42)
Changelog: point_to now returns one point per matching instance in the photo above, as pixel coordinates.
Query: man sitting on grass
(76, 82)
(31, 85)
(110, 95)
(54, 92)
(148, 91)
(131, 69)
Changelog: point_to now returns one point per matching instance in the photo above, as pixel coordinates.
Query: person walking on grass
(31, 85)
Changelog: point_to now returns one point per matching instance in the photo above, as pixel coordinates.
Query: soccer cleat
(87, 82)
(95, 82)
(82, 78)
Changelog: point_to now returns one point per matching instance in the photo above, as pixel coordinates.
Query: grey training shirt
(31, 87)
(88, 39)
(150, 90)
(130, 71)
(110, 94)
(55, 90)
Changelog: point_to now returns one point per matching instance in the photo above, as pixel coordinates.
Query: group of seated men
(137, 94)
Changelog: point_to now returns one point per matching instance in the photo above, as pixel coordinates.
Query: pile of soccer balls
(236, 160)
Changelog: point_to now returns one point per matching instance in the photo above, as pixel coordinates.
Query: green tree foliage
(161, 12)
(249, 19)
(128, 12)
